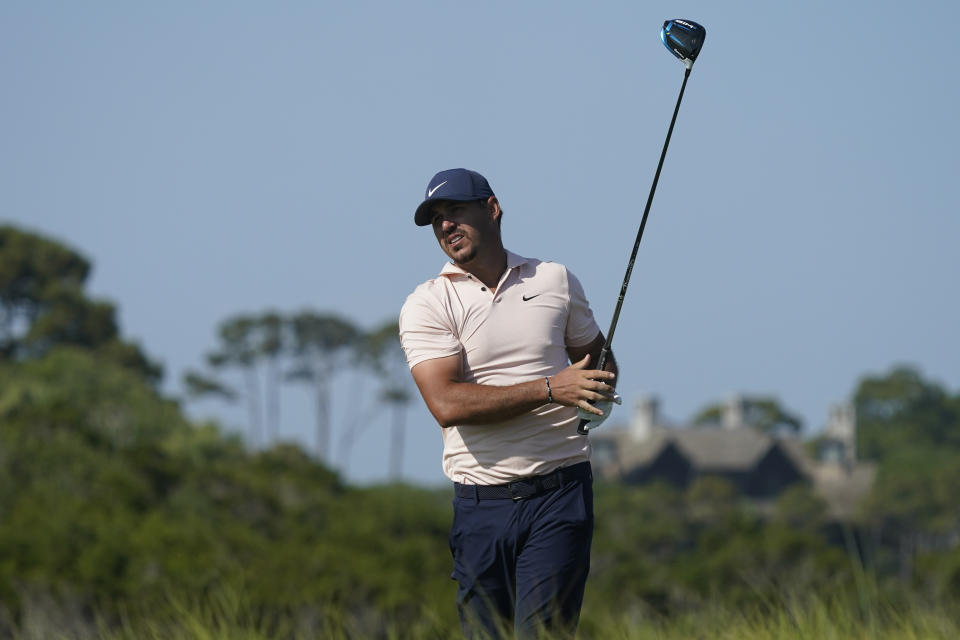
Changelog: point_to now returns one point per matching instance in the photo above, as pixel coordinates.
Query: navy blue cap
(452, 184)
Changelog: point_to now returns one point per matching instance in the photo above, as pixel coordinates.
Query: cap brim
(423, 215)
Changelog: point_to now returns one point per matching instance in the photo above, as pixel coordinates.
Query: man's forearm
(466, 403)
(454, 402)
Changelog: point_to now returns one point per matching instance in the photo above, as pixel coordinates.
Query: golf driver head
(683, 38)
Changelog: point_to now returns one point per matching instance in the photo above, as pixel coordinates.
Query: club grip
(580, 428)
(604, 355)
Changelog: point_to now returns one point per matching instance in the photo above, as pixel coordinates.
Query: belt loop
(476, 495)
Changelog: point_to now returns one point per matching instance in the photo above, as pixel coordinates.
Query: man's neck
(488, 269)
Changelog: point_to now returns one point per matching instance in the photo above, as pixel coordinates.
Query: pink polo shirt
(518, 332)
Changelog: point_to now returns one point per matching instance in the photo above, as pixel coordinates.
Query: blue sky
(216, 158)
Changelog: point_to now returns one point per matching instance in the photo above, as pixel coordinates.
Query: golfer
(490, 342)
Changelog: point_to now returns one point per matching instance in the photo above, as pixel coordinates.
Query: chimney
(734, 412)
(842, 427)
(645, 418)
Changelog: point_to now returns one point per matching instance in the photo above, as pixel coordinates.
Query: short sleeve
(425, 332)
(581, 326)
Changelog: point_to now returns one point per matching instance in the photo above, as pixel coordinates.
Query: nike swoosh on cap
(431, 191)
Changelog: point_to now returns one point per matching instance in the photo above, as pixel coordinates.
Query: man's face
(462, 228)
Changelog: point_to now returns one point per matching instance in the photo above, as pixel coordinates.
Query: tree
(901, 410)
(322, 344)
(246, 342)
(43, 305)
(30, 266)
(238, 350)
(272, 345)
(198, 384)
(762, 412)
(381, 353)
(911, 427)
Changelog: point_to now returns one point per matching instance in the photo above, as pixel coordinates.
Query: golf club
(683, 38)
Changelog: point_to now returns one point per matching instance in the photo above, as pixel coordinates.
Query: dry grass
(224, 617)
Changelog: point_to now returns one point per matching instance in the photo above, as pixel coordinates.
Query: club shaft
(605, 352)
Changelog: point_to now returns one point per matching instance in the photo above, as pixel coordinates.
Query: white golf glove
(593, 419)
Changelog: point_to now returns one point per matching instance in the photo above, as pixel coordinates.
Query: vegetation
(121, 518)
(308, 348)
(765, 413)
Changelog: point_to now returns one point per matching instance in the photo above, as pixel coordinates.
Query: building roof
(621, 451)
(718, 449)
(715, 450)
(707, 448)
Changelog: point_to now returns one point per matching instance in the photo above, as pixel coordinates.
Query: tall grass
(225, 616)
(812, 617)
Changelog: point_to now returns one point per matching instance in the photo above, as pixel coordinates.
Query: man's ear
(493, 207)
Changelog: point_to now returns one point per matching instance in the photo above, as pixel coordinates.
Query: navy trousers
(521, 564)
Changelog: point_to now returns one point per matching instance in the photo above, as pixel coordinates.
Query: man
(489, 343)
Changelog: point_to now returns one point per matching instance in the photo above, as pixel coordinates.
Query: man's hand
(577, 386)
(593, 420)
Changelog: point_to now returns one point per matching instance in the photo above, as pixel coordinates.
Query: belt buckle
(512, 487)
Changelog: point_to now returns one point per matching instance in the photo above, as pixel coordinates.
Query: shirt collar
(513, 261)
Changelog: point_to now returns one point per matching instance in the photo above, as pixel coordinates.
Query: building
(760, 465)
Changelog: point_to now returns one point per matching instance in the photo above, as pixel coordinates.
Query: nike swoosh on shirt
(525, 298)
(430, 192)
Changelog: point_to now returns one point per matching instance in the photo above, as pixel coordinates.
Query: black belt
(524, 487)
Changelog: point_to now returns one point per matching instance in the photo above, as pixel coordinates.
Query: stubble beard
(466, 257)
(463, 257)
